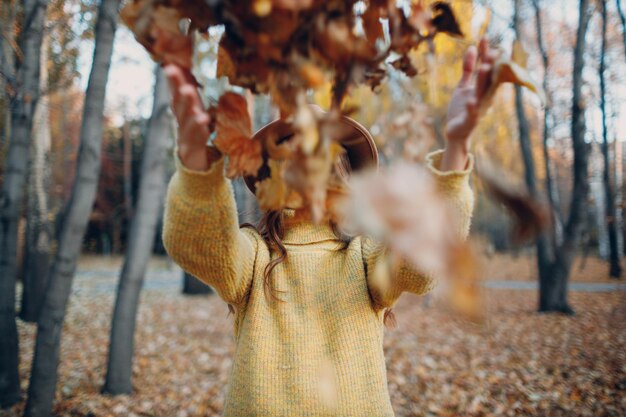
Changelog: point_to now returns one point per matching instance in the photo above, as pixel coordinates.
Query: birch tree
(142, 233)
(43, 376)
(7, 65)
(38, 228)
(22, 112)
(622, 18)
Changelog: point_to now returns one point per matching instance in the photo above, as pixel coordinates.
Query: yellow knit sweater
(320, 353)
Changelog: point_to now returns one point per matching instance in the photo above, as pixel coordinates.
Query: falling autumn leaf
(460, 290)
(305, 123)
(444, 19)
(401, 206)
(531, 217)
(420, 18)
(273, 193)
(233, 136)
(514, 71)
(160, 33)
(308, 175)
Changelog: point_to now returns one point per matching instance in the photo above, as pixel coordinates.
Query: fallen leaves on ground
(517, 363)
(521, 265)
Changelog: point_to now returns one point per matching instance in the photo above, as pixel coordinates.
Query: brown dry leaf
(307, 131)
(159, 32)
(233, 136)
(531, 217)
(337, 42)
(405, 65)
(512, 70)
(273, 193)
(444, 20)
(283, 92)
(373, 78)
(462, 288)
(410, 134)
(309, 174)
(225, 64)
(133, 11)
(293, 5)
(262, 7)
(421, 19)
(279, 151)
(400, 205)
(312, 74)
(518, 54)
(371, 23)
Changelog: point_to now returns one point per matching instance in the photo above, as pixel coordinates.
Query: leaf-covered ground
(522, 267)
(517, 363)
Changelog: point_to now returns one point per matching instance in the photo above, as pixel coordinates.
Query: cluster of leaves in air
(284, 48)
(288, 47)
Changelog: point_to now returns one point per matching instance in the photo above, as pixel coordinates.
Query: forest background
(513, 361)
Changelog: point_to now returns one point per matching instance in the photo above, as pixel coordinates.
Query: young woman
(319, 351)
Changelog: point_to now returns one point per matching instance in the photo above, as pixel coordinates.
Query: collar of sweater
(299, 231)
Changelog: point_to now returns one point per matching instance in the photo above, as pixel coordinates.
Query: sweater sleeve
(201, 231)
(455, 188)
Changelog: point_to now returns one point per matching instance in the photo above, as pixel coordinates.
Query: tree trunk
(22, 112)
(140, 243)
(38, 228)
(43, 377)
(68, 148)
(615, 270)
(554, 268)
(618, 175)
(193, 286)
(623, 19)
(545, 252)
(551, 185)
(619, 144)
(553, 295)
(127, 167)
(7, 66)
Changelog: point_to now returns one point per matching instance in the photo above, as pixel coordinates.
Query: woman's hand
(193, 119)
(465, 104)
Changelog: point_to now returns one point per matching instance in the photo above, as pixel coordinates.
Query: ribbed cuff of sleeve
(199, 184)
(450, 180)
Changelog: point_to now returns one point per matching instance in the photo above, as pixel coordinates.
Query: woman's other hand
(193, 120)
(466, 102)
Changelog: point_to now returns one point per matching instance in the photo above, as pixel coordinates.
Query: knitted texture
(320, 352)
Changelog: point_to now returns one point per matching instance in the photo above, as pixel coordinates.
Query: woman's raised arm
(451, 168)
(455, 189)
(201, 229)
